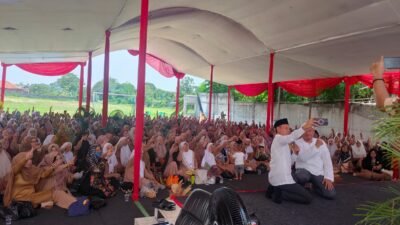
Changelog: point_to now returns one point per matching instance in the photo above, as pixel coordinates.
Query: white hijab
(208, 157)
(48, 139)
(111, 160)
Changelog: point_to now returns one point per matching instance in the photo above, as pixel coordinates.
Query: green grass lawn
(59, 105)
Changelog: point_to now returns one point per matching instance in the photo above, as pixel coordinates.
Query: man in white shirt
(314, 164)
(281, 183)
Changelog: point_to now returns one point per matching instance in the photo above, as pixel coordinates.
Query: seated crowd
(49, 159)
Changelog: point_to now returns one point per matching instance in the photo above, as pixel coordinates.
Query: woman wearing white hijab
(66, 150)
(123, 151)
(109, 155)
(359, 153)
(208, 158)
(49, 139)
(188, 159)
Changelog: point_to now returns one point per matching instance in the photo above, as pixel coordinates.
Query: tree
(217, 87)
(187, 86)
(41, 89)
(68, 85)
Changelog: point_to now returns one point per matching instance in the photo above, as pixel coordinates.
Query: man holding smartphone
(281, 183)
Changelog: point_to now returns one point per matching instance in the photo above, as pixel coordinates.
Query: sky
(123, 67)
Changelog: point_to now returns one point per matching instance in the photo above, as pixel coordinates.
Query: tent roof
(311, 38)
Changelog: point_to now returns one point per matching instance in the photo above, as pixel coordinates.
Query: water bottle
(221, 180)
(8, 219)
(192, 178)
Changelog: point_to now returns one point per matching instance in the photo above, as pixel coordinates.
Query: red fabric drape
(49, 69)
(251, 89)
(140, 97)
(310, 88)
(392, 80)
(160, 65)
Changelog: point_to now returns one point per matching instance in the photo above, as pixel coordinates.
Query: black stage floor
(351, 192)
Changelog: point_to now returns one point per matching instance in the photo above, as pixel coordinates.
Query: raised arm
(287, 139)
(381, 93)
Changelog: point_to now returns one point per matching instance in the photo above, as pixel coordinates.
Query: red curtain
(310, 88)
(251, 89)
(160, 65)
(392, 80)
(49, 69)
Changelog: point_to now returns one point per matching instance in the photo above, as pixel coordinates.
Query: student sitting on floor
(373, 168)
(313, 164)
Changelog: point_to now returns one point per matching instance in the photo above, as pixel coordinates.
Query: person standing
(281, 183)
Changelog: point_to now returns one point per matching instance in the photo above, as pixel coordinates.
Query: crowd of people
(51, 158)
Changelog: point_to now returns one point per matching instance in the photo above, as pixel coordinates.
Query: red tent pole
(229, 103)
(270, 91)
(81, 80)
(140, 97)
(178, 86)
(89, 83)
(211, 93)
(346, 106)
(106, 79)
(3, 82)
(272, 103)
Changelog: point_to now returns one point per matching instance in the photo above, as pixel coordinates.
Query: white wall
(361, 117)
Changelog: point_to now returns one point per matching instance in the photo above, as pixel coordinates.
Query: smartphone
(322, 121)
(392, 62)
(54, 159)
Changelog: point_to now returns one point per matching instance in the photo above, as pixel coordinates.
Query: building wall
(361, 117)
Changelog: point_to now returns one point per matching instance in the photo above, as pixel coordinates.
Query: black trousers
(294, 193)
(303, 176)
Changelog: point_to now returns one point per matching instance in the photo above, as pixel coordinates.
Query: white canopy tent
(312, 38)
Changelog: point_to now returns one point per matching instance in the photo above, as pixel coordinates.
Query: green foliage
(68, 85)
(330, 95)
(360, 91)
(187, 86)
(387, 212)
(217, 87)
(41, 89)
(65, 86)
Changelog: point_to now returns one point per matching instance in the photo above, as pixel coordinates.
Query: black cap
(280, 122)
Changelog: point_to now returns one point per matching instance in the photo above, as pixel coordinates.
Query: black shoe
(277, 196)
(269, 192)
